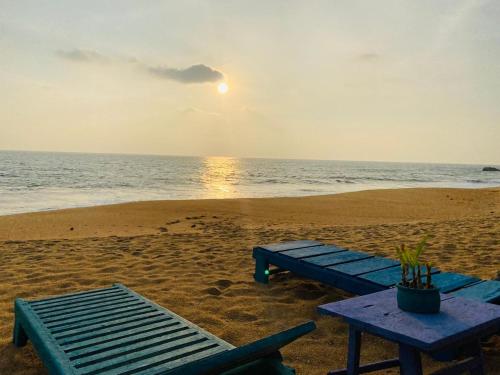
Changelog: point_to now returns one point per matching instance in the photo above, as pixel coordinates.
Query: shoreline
(236, 198)
(387, 206)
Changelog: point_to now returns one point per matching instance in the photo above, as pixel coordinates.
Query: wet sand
(194, 257)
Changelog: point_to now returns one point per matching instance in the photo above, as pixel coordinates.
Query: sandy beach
(194, 257)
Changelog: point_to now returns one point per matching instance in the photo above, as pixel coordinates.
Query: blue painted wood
(448, 281)
(485, 291)
(359, 274)
(337, 258)
(388, 277)
(115, 331)
(410, 361)
(282, 246)
(370, 367)
(365, 266)
(312, 251)
(353, 351)
(328, 276)
(261, 274)
(460, 320)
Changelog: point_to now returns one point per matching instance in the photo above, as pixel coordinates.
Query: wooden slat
(152, 357)
(387, 277)
(75, 301)
(312, 251)
(448, 281)
(337, 258)
(74, 298)
(365, 266)
(82, 305)
(73, 295)
(106, 337)
(85, 324)
(88, 312)
(97, 316)
(486, 291)
(109, 325)
(276, 247)
(129, 350)
(110, 342)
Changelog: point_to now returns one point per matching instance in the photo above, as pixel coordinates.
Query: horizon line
(244, 157)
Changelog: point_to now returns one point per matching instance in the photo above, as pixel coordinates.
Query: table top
(379, 314)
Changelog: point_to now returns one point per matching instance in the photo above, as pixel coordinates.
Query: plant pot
(423, 301)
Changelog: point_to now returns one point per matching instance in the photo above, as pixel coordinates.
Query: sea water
(34, 181)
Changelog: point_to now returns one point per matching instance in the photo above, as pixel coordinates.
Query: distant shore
(194, 257)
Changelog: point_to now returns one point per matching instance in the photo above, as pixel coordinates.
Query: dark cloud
(199, 73)
(369, 57)
(82, 55)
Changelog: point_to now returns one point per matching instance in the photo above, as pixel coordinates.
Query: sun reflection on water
(220, 175)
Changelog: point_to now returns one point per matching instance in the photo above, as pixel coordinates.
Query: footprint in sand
(308, 292)
(212, 291)
(224, 283)
(240, 316)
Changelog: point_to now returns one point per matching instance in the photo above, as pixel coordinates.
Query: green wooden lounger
(115, 331)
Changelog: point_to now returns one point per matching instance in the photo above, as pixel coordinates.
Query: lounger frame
(115, 331)
(357, 272)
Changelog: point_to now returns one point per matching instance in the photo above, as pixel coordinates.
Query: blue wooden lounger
(357, 272)
(115, 331)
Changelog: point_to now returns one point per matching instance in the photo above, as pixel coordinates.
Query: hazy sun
(222, 88)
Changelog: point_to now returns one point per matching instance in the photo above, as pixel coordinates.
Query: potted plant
(413, 294)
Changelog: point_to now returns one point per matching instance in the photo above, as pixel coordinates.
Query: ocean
(36, 181)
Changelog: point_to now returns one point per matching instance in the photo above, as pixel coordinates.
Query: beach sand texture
(194, 257)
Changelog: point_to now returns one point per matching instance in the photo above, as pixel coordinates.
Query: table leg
(354, 351)
(478, 369)
(410, 362)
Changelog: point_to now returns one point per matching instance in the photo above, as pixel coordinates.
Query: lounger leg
(19, 338)
(261, 274)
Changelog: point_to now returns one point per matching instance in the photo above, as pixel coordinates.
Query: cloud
(82, 55)
(199, 73)
(369, 57)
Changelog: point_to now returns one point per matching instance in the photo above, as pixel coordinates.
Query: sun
(222, 88)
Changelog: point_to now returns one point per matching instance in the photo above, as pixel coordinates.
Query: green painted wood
(96, 318)
(312, 251)
(110, 325)
(244, 354)
(485, 291)
(140, 354)
(337, 258)
(76, 297)
(74, 344)
(111, 331)
(104, 348)
(365, 266)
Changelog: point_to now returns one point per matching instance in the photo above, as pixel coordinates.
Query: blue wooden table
(461, 321)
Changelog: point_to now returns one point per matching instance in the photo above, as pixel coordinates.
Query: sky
(345, 80)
